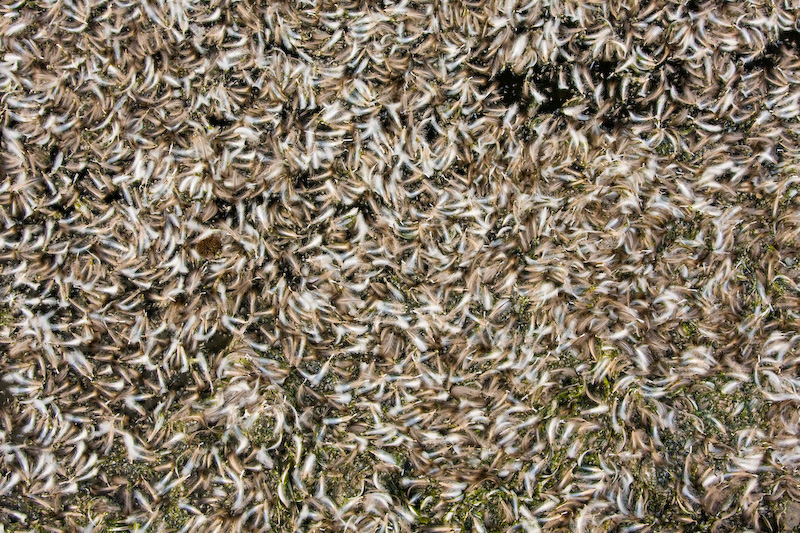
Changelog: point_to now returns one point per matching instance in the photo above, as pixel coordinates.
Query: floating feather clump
(376, 266)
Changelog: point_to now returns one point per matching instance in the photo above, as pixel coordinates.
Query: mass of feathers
(378, 266)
